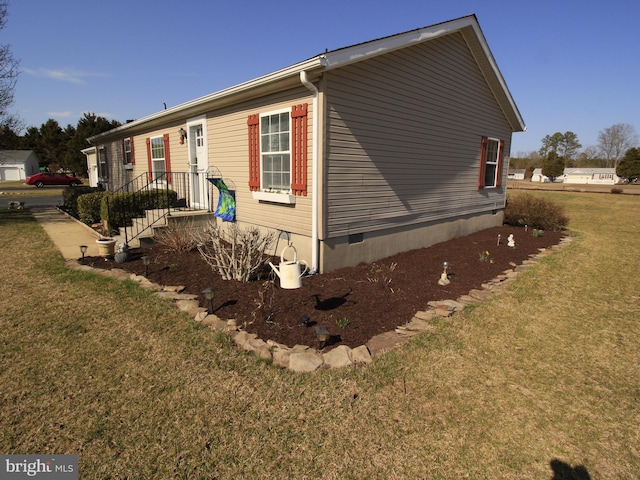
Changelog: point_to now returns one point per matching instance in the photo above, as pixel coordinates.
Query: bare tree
(8, 75)
(615, 140)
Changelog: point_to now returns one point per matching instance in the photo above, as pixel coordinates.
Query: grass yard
(546, 374)
(22, 189)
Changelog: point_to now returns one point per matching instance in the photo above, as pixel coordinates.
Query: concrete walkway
(66, 232)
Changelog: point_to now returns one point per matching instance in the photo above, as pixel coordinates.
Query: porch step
(142, 231)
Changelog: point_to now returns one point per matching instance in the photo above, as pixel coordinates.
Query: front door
(198, 165)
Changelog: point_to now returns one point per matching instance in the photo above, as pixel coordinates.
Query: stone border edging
(302, 358)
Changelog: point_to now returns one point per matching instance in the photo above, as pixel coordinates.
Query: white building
(16, 165)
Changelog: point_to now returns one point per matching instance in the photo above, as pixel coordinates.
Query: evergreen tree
(629, 166)
(88, 125)
(553, 166)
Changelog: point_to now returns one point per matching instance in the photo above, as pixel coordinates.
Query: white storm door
(198, 164)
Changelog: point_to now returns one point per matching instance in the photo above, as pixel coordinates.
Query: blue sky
(570, 65)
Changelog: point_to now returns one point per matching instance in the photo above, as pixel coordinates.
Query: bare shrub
(177, 237)
(235, 253)
(535, 212)
(616, 190)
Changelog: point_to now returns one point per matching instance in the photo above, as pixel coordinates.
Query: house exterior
(597, 176)
(353, 155)
(16, 165)
(538, 177)
(593, 176)
(517, 174)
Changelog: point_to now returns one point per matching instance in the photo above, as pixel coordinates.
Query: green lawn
(548, 371)
(22, 189)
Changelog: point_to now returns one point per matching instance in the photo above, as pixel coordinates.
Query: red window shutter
(483, 162)
(167, 156)
(299, 149)
(133, 157)
(149, 162)
(499, 175)
(253, 123)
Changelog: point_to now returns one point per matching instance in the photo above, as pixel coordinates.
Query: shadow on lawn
(564, 471)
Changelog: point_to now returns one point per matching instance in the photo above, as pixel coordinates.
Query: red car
(48, 178)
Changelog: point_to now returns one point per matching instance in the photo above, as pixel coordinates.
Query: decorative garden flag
(226, 209)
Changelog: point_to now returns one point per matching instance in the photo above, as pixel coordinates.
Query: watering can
(289, 271)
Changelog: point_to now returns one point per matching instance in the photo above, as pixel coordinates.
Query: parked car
(49, 178)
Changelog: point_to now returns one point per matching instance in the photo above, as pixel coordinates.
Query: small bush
(177, 237)
(616, 190)
(235, 253)
(89, 207)
(535, 212)
(117, 209)
(70, 197)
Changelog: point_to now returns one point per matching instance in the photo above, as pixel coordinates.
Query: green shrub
(535, 212)
(117, 209)
(89, 207)
(70, 197)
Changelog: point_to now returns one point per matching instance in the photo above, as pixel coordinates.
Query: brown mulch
(354, 303)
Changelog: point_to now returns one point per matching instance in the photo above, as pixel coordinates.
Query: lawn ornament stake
(444, 278)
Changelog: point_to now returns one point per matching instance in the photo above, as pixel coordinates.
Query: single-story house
(16, 165)
(353, 155)
(599, 176)
(517, 174)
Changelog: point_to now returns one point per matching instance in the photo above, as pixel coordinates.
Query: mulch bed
(354, 303)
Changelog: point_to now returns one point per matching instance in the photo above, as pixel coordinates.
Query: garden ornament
(289, 271)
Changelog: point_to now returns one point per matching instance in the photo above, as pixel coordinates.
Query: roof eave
(246, 90)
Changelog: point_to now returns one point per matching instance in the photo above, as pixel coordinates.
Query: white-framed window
(126, 147)
(157, 157)
(199, 135)
(490, 163)
(491, 168)
(275, 151)
(103, 171)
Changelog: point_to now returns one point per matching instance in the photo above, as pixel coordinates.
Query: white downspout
(314, 159)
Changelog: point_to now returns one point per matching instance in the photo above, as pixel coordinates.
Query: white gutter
(314, 159)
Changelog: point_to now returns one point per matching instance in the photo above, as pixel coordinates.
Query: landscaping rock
(480, 294)
(188, 306)
(305, 362)
(425, 315)
(385, 342)
(281, 357)
(361, 355)
(214, 322)
(339, 357)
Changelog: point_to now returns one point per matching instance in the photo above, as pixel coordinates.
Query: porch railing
(147, 200)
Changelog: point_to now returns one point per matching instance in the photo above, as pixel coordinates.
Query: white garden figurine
(511, 242)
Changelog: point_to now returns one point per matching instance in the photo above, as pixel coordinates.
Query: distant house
(517, 174)
(16, 165)
(353, 155)
(602, 176)
(538, 177)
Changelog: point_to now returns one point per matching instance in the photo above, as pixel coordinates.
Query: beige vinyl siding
(227, 134)
(404, 136)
